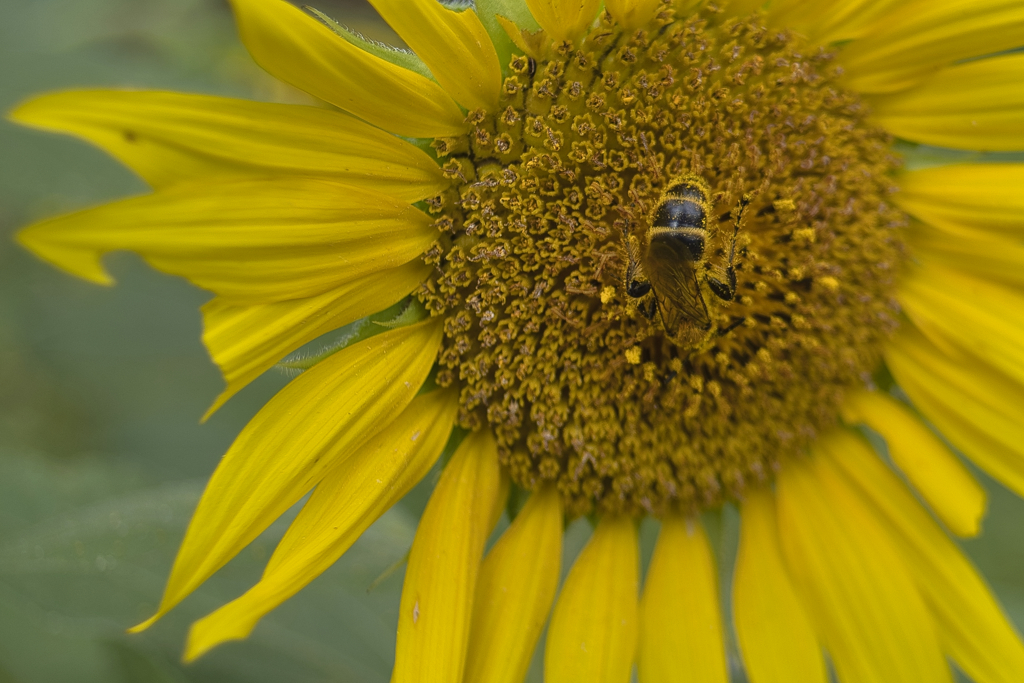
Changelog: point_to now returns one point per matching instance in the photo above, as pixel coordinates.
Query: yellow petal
(744, 7)
(680, 624)
(971, 626)
(564, 19)
(593, 632)
(983, 318)
(921, 37)
(633, 14)
(437, 598)
(774, 632)
(949, 488)
(246, 340)
(827, 22)
(978, 105)
(298, 49)
(312, 425)
(492, 12)
(853, 580)
(529, 42)
(965, 198)
(348, 500)
(169, 137)
(518, 581)
(252, 241)
(991, 257)
(453, 44)
(977, 408)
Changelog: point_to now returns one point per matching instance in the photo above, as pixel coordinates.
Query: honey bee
(669, 259)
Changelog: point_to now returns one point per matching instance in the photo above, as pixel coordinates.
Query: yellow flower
(656, 259)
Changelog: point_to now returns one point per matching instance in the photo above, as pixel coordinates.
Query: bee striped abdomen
(680, 212)
(682, 217)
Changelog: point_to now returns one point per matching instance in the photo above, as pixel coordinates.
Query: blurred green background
(102, 456)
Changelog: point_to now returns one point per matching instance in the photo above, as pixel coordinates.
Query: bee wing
(672, 274)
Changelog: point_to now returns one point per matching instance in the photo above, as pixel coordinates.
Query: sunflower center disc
(580, 382)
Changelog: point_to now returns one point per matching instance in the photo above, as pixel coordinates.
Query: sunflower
(643, 260)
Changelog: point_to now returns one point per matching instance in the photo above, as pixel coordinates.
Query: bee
(669, 260)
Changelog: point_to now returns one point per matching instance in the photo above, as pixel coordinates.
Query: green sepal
(517, 497)
(413, 312)
(397, 56)
(406, 312)
(883, 379)
(430, 383)
(454, 441)
(917, 156)
(514, 10)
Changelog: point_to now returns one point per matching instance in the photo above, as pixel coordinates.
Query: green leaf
(73, 578)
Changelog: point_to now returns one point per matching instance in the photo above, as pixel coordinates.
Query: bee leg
(732, 326)
(637, 288)
(652, 308)
(648, 308)
(726, 290)
(637, 284)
